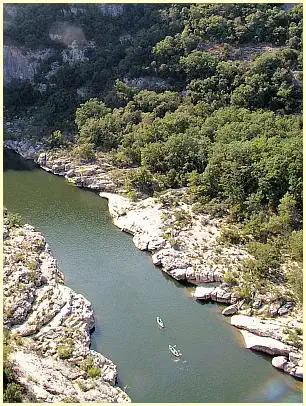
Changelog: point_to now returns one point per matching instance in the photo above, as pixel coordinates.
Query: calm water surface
(127, 293)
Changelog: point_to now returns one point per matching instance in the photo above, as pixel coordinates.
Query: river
(127, 293)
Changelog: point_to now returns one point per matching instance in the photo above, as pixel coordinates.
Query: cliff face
(22, 64)
(50, 327)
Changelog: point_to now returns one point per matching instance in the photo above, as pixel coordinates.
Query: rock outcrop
(268, 336)
(50, 327)
(177, 248)
(20, 64)
(265, 344)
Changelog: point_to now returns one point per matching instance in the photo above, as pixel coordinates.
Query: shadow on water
(13, 161)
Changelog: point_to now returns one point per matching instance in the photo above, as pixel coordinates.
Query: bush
(231, 235)
(294, 337)
(64, 351)
(84, 151)
(13, 219)
(295, 280)
(266, 260)
(56, 140)
(295, 245)
(140, 179)
(12, 393)
(93, 372)
(245, 291)
(230, 277)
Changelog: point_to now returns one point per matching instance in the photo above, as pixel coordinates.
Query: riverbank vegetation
(225, 124)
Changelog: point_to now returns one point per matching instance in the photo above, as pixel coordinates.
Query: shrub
(245, 291)
(295, 245)
(84, 151)
(12, 393)
(64, 351)
(56, 140)
(140, 179)
(294, 337)
(295, 280)
(19, 257)
(266, 260)
(230, 235)
(230, 277)
(13, 219)
(93, 372)
(132, 195)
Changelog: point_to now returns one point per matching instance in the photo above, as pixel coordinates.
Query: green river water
(127, 292)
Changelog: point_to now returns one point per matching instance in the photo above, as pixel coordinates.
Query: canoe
(174, 351)
(160, 322)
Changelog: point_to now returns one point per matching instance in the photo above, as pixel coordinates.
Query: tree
(199, 64)
(92, 108)
(104, 132)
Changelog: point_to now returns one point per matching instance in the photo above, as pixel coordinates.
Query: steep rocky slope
(50, 327)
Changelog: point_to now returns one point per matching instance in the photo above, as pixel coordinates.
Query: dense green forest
(227, 126)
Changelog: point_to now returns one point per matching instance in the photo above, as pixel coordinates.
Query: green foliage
(193, 47)
(12, 219)
(13, 393)
(64, 351)
(120, 95)
(231, 235)
(93, 372)
(84, 151)
(18, 95)
(141, 179)
(294, 336)
(102, 132)
(56, 140)
(266, 261)
(295, 279)
(295, 245)
(230, 277)
(88, 366)
(93, 108)
(158, 103)
(199, 64)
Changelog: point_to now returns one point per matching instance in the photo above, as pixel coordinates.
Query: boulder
(283, 310)
(70, 173)
(295, 357)
(274, 308)
(257, 304)
(265, 344)
(156, 243)
(235, 297)
(279, 362)
(190, 273)
(228, 311)
(203, 293)
(259, 327)
(178, 273)
(289, 367)
(141, 241)
(299, 372)
(42, 158)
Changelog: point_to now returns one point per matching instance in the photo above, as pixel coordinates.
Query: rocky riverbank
(187, 247)
(49, 327)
